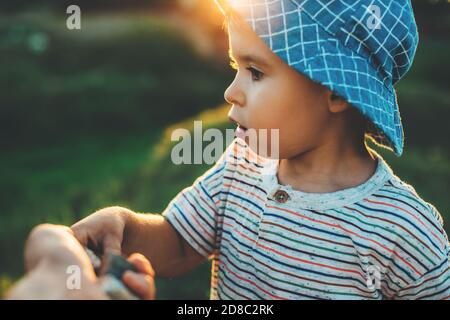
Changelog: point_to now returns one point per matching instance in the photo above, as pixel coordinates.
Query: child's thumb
(112, 244)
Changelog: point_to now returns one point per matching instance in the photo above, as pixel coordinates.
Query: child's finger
(142, 284)
(141, 263)
(80, 234)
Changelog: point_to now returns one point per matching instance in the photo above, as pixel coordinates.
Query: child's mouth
(241, 132)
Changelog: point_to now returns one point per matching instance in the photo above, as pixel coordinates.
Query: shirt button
(281, 196)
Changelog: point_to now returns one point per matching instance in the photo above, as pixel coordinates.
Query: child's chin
(262, 151)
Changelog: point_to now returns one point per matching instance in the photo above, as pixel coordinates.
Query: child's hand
(104, 229)
(141, 283)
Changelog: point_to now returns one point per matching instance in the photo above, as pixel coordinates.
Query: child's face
(268, 94)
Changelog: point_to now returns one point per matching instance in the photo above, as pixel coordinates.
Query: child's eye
(256, 74)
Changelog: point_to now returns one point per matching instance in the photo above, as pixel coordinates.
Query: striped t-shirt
(378, 240)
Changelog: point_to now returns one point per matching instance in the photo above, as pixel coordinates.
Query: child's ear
(336, 103)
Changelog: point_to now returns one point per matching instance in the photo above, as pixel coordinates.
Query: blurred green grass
(121, 73)
(86, 123)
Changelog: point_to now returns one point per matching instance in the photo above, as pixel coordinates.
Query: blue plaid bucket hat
(357, 48)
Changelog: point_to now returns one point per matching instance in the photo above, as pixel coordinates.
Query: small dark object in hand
(111, 282)
(117, 265)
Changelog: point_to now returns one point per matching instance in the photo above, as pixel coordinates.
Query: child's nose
(234, 95)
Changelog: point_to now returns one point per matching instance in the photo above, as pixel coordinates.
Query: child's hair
(231, 16)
